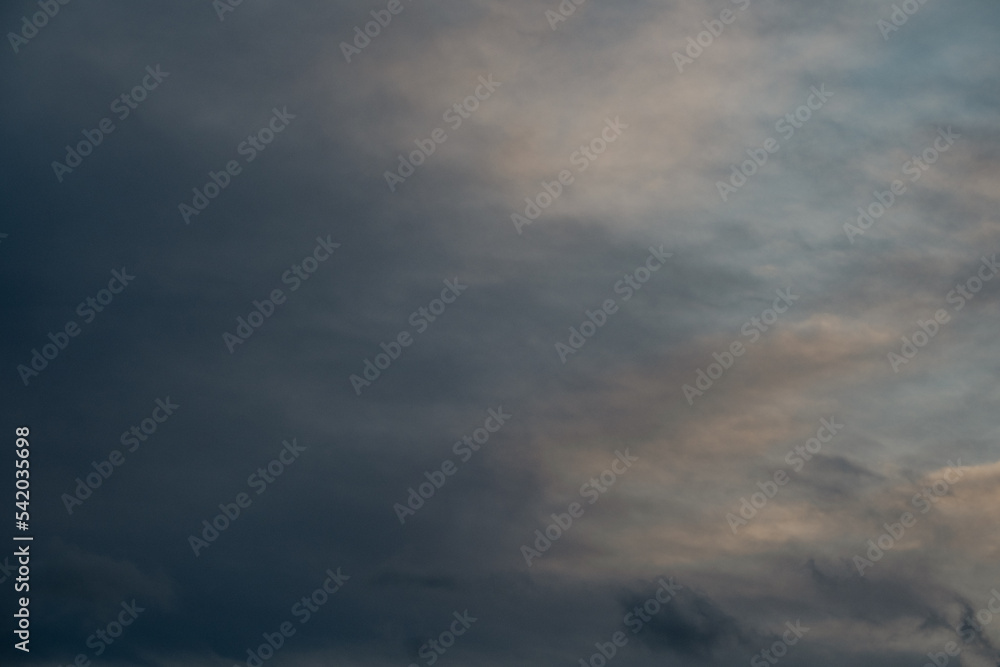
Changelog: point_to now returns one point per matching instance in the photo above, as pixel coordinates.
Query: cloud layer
(416, 433)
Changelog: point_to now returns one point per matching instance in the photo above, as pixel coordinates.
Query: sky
(402, 333)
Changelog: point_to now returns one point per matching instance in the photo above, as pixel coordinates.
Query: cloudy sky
(670, 324)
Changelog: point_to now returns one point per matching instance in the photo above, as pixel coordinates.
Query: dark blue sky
(346, 339)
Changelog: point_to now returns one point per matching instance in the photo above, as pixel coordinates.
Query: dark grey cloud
(693, 627)
(495, 346)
